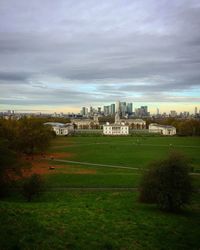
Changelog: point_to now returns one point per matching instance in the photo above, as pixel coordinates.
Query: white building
(61, 128)
(134, 123)
(162, 129)
(86, 123)
(117, 128)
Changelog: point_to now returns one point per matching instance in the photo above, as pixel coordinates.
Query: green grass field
(95, 220)
(130, 152)
(112, 219)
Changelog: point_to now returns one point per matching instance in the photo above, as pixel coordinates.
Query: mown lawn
(134, 152)
(95, 220)
(127, 151)
(92, 180)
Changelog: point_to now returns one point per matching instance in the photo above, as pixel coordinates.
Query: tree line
(187, 127)
(25, 136)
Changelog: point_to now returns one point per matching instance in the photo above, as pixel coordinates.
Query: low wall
(100, 131)
(88, 131)
(138, 131)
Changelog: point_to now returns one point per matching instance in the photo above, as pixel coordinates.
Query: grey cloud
(13, 76)
(100, 44)
(35, 95)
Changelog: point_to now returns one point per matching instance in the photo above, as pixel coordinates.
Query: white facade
(61, 128)
(115, 129)
(162, 129)
(134, 123)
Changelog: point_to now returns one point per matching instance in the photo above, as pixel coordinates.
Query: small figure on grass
(51, 167)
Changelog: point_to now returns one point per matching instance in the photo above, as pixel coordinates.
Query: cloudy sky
(61, 55)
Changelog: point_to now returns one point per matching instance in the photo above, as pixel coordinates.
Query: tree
(26, 135)
(8, 132)
(167, 183)
(33, 136)
(189, 127)
(184, 127)
(8, 165)
(32, 186)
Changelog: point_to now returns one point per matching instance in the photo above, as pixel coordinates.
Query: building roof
(115, 125)
(162, 126)
(133, 120)
(55, 124)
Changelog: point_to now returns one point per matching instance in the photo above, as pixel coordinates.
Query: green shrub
(167, 183)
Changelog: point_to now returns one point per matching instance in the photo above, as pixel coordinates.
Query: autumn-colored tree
(8, 131)
(104, 119)
(26, 135)
(184, 127)
(33, 136)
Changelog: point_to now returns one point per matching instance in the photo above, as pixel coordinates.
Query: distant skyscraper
(123, 108)
(142, 111)
(186, 114)
(117, 113)
(112, 109)
(157, 111)
(117, 107)
(99, 109)
(130, 108)
(137, 111)
(91, 110)
(195, 111)
(106, 110)
(84, 111)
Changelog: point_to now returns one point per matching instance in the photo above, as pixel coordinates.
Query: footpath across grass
(99, 220)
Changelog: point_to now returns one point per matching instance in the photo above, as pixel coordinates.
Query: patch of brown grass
(40, 164)
(45, 168)
(59, 155)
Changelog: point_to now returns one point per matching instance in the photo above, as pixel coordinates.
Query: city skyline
(153, 111)
(59, 56)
